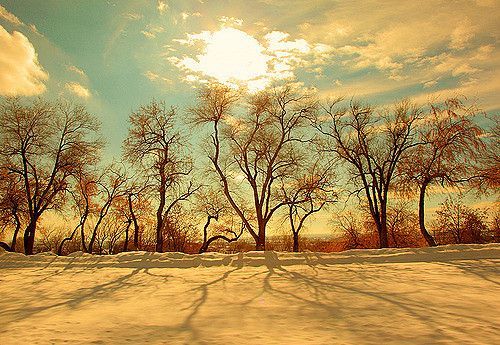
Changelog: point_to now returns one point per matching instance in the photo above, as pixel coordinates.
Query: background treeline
(222, 173)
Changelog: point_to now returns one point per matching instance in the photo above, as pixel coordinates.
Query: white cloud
(11, 18)
(76, 70)
(230, 21)
(461, 35)
(132, 16)
(186, 15)
(152, 30)
(234, 57)
(230, 54)
(152, 76)
(162, 7)
(20, 71)
(430, 83)
(78, 90)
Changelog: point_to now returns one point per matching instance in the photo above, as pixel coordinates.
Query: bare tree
(83, 193)
(12, 207)
(137, 205)
(180, 230)
(489, 167)
(352, 230)
(44, 144)
(458, 223)
(307, 194)
(449, 154)
(215, 208)
(371, 144)
(154, 142)
(402, 226)
(256, 146)
(110, 188)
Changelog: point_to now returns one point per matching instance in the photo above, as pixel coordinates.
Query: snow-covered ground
(444, 295)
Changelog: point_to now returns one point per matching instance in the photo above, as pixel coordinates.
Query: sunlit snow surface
(444, 295)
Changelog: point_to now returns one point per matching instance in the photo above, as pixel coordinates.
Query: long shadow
(427, 314)
(478, 269)
(74, 299)
(195, 307)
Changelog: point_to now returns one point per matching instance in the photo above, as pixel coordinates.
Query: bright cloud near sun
(78, 90)
(20, 71)
(234, 57)
(229, 55)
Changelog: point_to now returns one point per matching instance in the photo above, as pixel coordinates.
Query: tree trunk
(29, 236)
(125, 243)
(159, 222)
(14, 236)
(69, 238)
(82, 235)
(421, 216)
(382, 225)
(383, 240)
(260, 241)
(295, 242)
(134, 220)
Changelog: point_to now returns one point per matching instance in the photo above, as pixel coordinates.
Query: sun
(230, 55)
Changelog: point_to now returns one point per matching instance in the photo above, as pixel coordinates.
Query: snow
(443, 295)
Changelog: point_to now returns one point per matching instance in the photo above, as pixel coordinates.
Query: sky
(115, 55)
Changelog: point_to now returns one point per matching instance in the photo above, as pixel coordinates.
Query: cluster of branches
(275, 155)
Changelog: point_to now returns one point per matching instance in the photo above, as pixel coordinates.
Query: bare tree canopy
(154, 143)
(371, 143)
(257, 146)
(309, 192)
(44, 144)
(448, 154)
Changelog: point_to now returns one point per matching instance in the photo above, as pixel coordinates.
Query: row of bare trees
(276, 157)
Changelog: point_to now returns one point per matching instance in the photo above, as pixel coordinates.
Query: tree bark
(382, 227)
(125, 243)
(16, 231)
(421, 216)
(134, 220)
(29, 236)
(159, 213)
(295, 242)
(260, 244)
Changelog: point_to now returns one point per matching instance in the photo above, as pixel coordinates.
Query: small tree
(12, 207)
(402, 226)
(306, 195)
(110, 187)
(215, 208)
(457, 223)
(83, 193)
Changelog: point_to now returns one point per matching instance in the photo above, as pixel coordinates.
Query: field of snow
(444, 295)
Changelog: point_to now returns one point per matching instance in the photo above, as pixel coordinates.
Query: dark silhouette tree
(371, 144)
(258, 144)
(157, 146)
(44, 144)
(448, 156)
(215, 208)
(307, 194)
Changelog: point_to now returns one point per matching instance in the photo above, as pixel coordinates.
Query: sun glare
(230, 55)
